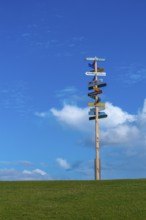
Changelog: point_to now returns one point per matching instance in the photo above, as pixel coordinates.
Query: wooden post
(97, 161)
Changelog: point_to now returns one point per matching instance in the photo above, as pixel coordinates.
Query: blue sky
(44, 127)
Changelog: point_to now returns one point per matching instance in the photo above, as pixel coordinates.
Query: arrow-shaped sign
(91, 65)
(92, 118)
(98, 70)
(94, 87)
(92, 111)
(95, 93)
(95, 59)
(102, 115)
(101, 108)
(95, 73)
(95, 82)
(102, 85)
(97, 105)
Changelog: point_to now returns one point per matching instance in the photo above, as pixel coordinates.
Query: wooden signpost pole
(95, 113)
(97, 163)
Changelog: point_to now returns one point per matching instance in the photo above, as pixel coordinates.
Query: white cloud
(35, 172)
(120, 128)
(13, 174)
(63, 163)
(116, 116)
(72, 116)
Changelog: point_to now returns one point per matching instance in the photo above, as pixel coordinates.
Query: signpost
(95, 112)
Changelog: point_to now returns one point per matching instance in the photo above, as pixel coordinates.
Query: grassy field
(41, 200)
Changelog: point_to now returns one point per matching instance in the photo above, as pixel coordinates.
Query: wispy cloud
(68, 91)
(63, 163)
(132, 74)
(14, 174)
(84, 168)
(42, 114)
(18, 162)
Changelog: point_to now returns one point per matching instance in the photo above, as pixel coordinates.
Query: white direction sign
(94, 59)
(95, 73)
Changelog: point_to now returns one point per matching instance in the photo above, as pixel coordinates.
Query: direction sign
(102, 85)
(92, 113)
(94, 59)
(94, 87)
(102, 115)
(98, 70)
(95, 82)
(91, 65)
(95, 93)
(101, 108)
(97, 105)
(92, 118)
(92, 109)
(95, 73)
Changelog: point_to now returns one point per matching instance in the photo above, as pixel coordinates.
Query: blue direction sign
(102, 115)
(95, 93)
(92, 111)
(91, 65)
(102, 85)
(92, 118)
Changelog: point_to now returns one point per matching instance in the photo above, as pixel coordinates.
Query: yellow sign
(97, 104)
(98, 70)
(96, 88)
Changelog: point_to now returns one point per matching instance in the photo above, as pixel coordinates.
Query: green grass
(41, 200)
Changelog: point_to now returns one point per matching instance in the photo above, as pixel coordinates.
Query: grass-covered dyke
(41, 200)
